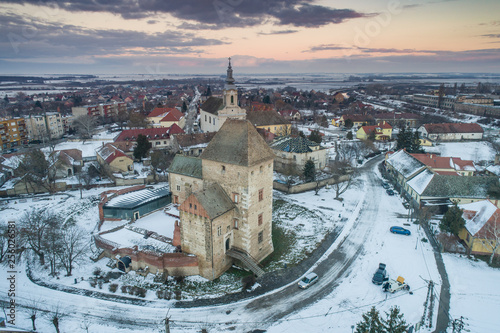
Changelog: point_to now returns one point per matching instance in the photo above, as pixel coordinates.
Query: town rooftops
(137, 198)
(173, 115)
(109, 153)
(150, 133)
(238, 142)
(396, 115)
(195, 139)
(298, 145)
(187, 166)
(441, 162)
(266, 118)
(212, 105)
(453, 128)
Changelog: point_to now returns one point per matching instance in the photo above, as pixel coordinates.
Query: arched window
(232, 99)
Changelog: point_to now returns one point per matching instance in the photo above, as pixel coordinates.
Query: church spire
(229, 77)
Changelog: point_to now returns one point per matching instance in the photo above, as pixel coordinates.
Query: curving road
(332, 267)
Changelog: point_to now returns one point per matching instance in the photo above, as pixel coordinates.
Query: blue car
(400, 230)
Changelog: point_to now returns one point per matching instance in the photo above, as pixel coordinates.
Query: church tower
(230, 91)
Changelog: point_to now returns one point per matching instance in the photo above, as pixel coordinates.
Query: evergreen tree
(315, 136)
(414, 146)
(348, 123)
(452, 220)
(6, 99)
(209, 92)
(372, 136)
(142, 148)
(184, 107)
(309, 171)
(267, 99)
(394, 322)
(371, 323)
(349, 135)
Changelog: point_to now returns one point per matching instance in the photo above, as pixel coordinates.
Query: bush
(93, 282)
(124, 289)
(178, 295)
(113, 287)
(248, 282)
(97, 272)
(179, 279)
(99, 283)
(141, 292)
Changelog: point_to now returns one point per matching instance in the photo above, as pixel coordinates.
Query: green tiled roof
(187, 166)
(294, 145)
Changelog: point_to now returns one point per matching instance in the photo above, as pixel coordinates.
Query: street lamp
(352, 328)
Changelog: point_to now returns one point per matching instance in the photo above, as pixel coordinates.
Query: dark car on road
(385, 185)
(389, 191)
(400, 230)
(380, 275)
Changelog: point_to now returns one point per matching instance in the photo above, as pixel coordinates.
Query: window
(228, 228)
(219, 231)
(235, 197)
(223, 169)
(190, 205)
(235, 223)
(232, 99)
(260, 219)
(195, 207)
(261, 169)
(178, 187)
(205, 117)
(261, 237)
(261, 194)
(157, 143)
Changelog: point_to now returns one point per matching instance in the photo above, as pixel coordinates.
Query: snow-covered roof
(477, 214)
(137, 198)
(420, 181)
(494, 169)
(404, 163)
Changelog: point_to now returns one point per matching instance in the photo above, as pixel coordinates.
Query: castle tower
(234, 209)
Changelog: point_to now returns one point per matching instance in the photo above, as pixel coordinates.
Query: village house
(66, 163)
(358, 120)
(292, 153)
(166, 117)
(111, 157)
(270, 121)
(214, 111)
(159, 137)
(104, 110)
(191, 144)
(398, 119)
(293, 115)
(451, 131)
(225, 200)
(380, 132)
(482, 227)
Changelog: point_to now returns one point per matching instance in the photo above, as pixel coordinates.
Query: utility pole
(167, 322)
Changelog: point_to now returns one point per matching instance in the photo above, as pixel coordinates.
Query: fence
(299, 188)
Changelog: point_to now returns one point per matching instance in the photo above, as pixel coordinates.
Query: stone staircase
(246, 260)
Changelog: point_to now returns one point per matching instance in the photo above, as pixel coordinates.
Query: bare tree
(85, 126)
(137, 120)
(343, 174)
(73, 245)
(490, 239)
(4, 242)
(55, 316)
(33, 228)
(52, 244)
(32, 310)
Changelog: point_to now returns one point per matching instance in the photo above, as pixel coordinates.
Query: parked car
(380, 275)
(389, 191)
(400, 230)
(308, 280)
(386, 186)
(406, 205)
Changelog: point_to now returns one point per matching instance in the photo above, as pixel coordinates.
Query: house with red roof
(382, 132)
(451, 131)
(447, 165)
(166, 117)
(114, 159)
(290, 114)
(160, 137)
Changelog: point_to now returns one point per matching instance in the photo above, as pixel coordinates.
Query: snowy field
(475, 151)
(474, 293)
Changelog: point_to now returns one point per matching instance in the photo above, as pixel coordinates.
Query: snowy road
(352, 257)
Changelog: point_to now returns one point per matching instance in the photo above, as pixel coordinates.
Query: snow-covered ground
(475, 151)
(474, 293)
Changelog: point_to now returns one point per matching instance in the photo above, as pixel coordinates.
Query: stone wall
(306, 186)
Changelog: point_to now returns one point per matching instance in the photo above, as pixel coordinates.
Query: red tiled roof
(150, 133)
(173, 115)
(157, 112)
(453, 128)
(109, 153)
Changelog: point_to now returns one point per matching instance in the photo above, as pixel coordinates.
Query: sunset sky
(261, 36)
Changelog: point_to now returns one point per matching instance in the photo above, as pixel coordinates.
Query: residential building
(166, 117)
(225, 199)
(451, 131)
(479, 109)
(447, 165)
(475, 99)
(380, 132)
(114, 159)
(270, 121)
(482, 227)
(358, 120)
(292, 153)
(44, 127)
(214, 111)
(293, 115)
(192, 144)
(159, 137)
(447, 102)
(13, 133)
(398, 119)
(106, 111)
